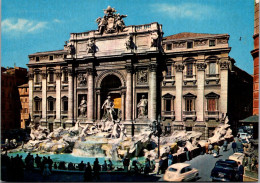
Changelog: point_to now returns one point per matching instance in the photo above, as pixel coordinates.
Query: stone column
(129, 89)
(44, 98)
(98, 106)
(200, 91)
(224, 65)
(122, 105)
(31, 79)
(178, 101)
(152, 112)
(58, 100)
(90, 101)
(70, 99)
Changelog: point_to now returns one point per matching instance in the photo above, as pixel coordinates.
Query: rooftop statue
(111, 22)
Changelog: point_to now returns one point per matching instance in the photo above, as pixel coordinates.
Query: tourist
(71, 166)
(46, 171)
(160, 165)
(38, 161)
(55, 166)
(187, 153)
(96, 169)
(134, 164)
(147, 166)
(50, 162)
(110, 165)
(126, 162)
(216, 149)
(104, 166)
(88, 173)
(210, 148)
(207, 147)
(170, 158)
(152, 167)
(81, 166)
(225, 145)
(240, 171)
(239, 146)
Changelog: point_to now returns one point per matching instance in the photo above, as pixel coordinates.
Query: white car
(238, 157)
(180, 172)
(243, 135)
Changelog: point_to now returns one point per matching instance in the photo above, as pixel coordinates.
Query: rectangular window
(168, 105)
(168, 46)
(211, 104)
(189, 105)
(51, 57)
(51, 75)
(37, 105)
(37, 77)
(37, 59)
(169, 71)
(189, 44)
(51, 105)
(189, 70)
(212, 68)
(65, 105)
(211, 42)
(66, 76)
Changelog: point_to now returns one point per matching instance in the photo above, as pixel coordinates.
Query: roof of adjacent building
(191, 35)
(250, 119)
(49, 52)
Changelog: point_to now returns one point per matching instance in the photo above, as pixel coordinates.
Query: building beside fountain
(184, 77)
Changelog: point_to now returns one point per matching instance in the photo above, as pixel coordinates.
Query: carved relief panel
(142, 77)
(82, 79)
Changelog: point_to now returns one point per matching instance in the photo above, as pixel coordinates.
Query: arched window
(37, 104)
(51, 104)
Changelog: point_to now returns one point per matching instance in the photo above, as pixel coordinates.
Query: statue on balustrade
(142, 107)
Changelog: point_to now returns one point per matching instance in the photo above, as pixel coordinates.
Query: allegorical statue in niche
(83, 107)
(108, 107)
(142, 105)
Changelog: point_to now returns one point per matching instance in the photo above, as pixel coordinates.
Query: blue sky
(33, 26)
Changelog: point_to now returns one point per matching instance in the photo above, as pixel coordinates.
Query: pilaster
(152, 108)
(58, 100)
(31, 81)
(129, 100)
(178, 101)
(200, 91)
(70, 99)
(90, 101)
(224, 66)
(44, 99)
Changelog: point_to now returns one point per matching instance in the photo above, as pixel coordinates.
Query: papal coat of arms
(111, 22)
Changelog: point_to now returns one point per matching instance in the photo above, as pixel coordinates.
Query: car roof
(179, 165)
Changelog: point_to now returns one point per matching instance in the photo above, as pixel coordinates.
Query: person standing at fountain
(50, 162)
(88, 173)
(96, 169)
(108, 107)
(170, 158)
(81, 166)
(104, 167)
(126, 162)
(110, 165)
(38, 161)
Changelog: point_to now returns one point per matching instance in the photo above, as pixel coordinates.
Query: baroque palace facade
(183, 77)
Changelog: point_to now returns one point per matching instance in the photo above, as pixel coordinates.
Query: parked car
(224, 170)
(180, 172)
(243, 135)
(238, 157)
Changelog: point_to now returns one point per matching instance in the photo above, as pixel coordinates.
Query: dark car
(224, 170)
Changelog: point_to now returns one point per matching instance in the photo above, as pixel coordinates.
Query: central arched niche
(111, 86)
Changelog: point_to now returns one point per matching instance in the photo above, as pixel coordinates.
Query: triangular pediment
(189, 95)
(167, 95)
(212, 95)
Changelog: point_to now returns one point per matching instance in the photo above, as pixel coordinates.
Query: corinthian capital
(179, 67)
(201, 66)
(224, 64)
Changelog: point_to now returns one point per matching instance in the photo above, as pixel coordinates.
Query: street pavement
(205, 163)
